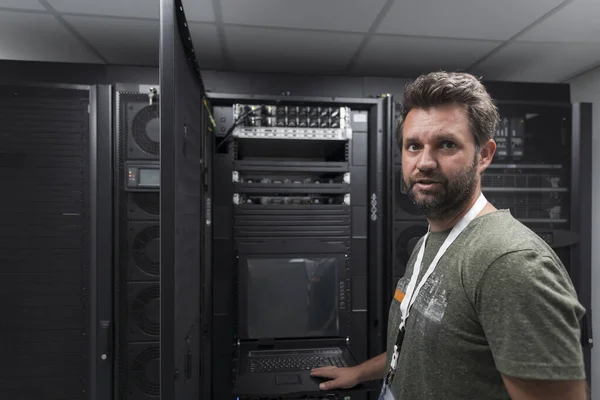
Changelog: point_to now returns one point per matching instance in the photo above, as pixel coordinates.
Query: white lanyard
(411, 293)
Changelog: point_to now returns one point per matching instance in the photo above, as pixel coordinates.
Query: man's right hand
(340, 378)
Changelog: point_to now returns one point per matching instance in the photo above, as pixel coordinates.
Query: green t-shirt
(499, 301)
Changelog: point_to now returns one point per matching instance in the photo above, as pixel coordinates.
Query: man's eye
(412, 147)
(448, 145)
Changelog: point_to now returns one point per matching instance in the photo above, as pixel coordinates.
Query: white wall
(586, 88)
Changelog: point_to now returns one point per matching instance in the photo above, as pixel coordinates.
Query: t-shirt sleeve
(530, 314)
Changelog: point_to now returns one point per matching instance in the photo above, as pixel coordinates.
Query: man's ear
(486, 154)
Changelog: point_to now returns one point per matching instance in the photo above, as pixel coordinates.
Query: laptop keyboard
(293, 363)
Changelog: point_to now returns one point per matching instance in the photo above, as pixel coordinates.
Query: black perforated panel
(407, 234)
(44, 243)
(138, 270)
(144, 205)
(144, 371)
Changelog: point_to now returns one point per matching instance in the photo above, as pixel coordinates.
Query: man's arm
(346, 378)
(530, 389)
(373, 369)
(530, 314)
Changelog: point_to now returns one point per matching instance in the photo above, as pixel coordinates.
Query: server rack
(543, 175)
(136, 207)
(271, 192)
(48, 223)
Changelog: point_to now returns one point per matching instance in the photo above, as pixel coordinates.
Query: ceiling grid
(225, 58)
(72, 30)
(520, 33)
(374, 26)
(537, 40)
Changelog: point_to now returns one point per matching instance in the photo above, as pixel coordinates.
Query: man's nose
(426, 160)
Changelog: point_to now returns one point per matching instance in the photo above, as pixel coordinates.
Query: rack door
(182, 220)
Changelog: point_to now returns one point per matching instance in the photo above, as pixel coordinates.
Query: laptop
(292, 318)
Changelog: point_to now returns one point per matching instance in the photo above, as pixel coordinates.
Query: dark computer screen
(292, 297)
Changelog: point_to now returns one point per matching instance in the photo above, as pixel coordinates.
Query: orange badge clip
(399, 295)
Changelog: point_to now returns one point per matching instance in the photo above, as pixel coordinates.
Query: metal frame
(101, 142)
(206, 323)
(581, 218)
(227, 98)
(390, 195)
(380, 231)
(93, 112)
(115, 334)
(377, 243)
(167, 199)
(47, 85)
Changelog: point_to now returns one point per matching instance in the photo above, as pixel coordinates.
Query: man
(494, 315)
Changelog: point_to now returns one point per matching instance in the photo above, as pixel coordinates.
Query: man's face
(440, 166)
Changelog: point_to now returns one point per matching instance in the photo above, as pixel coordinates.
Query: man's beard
(453, 196)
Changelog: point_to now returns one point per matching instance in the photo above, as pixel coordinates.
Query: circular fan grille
(403, 202)
(145, 129)
(149, 202)
(406, 242)
(146, 371)
(146, 250)
(146, 311)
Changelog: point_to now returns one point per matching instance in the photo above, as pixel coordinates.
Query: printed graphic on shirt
(432, 300)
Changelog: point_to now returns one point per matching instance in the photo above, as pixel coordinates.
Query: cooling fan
(145, 369)
(407, 236)
(404, 207)
(145, 308)
(145, 250)
(143, 205)
(143, 126)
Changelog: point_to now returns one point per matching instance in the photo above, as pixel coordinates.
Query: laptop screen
(292, 297)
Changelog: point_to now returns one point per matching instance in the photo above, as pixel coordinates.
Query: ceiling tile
(271, 50)
(121, 41)
(199, 10)
(577, 22)
(22, 4)
(468, 19)
(335, 15)
(195, 10)
(409, 57)
(43, 39)
(206, 45)
(116, 8)
(539, 62)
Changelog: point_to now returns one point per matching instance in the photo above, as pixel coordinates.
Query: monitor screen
(292, 297)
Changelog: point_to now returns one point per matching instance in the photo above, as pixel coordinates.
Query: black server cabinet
(57, 153)
(542, 173)
(48, 245)
(264, 199)
(136, 274)
(184, 212)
